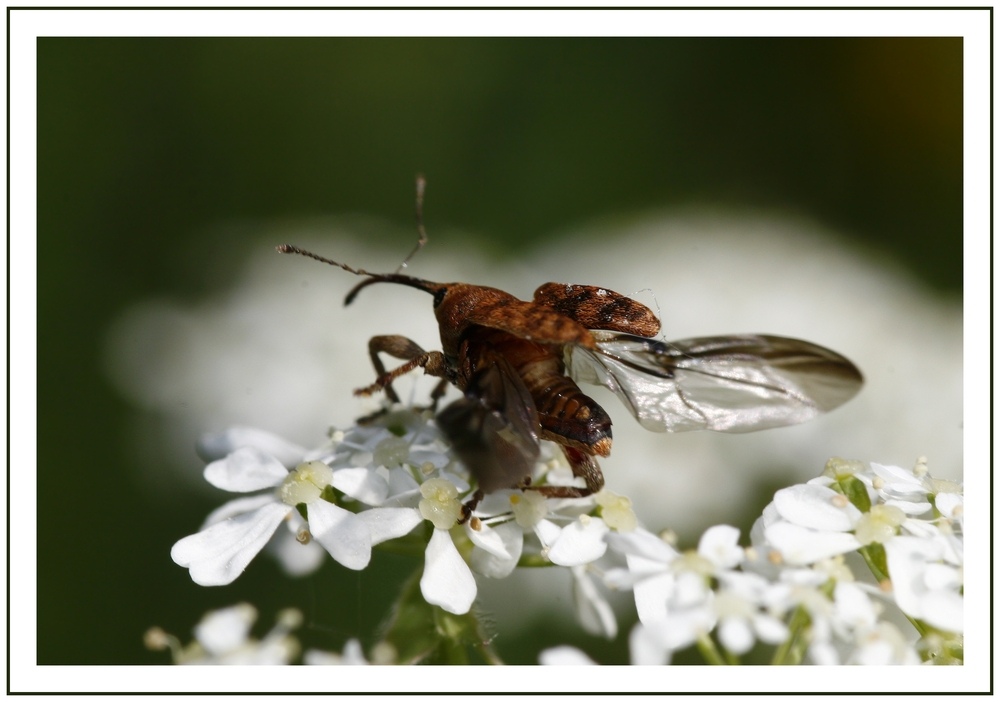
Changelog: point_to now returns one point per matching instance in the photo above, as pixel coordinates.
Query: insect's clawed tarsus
(469, 507)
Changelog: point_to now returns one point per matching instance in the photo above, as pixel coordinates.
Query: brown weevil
(517, 364)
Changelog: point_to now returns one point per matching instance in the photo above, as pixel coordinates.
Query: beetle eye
(439, 297)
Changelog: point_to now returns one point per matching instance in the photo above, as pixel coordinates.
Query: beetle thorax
(459, 301)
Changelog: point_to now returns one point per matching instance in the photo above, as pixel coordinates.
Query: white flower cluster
(797, 588)
(794, 589)
(378, 482)
(222, 637)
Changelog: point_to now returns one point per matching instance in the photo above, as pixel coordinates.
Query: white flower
(564, 533)
(746, 612)
(924, 584)
(910, 489)
(660, 574)
(576, 543)
(561, 531)
(649, 575)
(237, 531)
(212, 447)
(351, 655)
(673, 591)
(883, 644)
(644, 649)
(922, 548)
(814, 522)
(506, 526)
(446, 581)
(223, 637)
(392, 473)
(952, 507)
(496, 534)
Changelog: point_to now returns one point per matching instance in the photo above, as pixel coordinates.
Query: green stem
(488, 653)
(875, 559)
(709, 651)
(793, 649)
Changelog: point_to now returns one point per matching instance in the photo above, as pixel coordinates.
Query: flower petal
(900, 480)
(799, 545)
(644, 544)
(385, 523)
(949, 504)
(343, 534)
(403, 487)
(912, 563)
(652, 591)
(646, 647)
(497, 565)
(735, 635)
(225, 630)
(297, 559)
(547, 532)
(943, 609)
(720, 545)
(218, 554)
(240, 505)
(216, 446)
(910, 508)
(363, 484)
(564, 655)
(816, 507)
(447, 581)
(487, 539)
(245, 470)
(592, 610)
(853, 607)
(580, 542)
(683, 627)
(770, 629)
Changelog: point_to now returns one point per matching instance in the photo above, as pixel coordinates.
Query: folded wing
(494, 428)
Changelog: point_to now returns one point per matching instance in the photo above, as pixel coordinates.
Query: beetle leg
(396, 346)
(432, 362)
(470, 506)
(437, 393)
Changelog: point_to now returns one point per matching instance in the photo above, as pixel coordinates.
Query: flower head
(376, 482)
(223, 637)
(235, 533)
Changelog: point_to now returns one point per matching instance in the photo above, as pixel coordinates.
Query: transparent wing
(723, 383)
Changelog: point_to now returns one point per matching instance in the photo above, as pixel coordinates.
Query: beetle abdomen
(566, 415)
(570, 417)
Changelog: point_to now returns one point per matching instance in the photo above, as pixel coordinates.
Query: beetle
(518, 362)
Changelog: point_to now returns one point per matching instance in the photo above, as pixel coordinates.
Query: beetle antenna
(399, 278)
(290, 249)
(421, 232)
(372, 278)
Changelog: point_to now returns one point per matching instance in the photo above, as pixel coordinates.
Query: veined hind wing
(733, 383)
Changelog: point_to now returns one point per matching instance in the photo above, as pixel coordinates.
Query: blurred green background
(159, 158)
